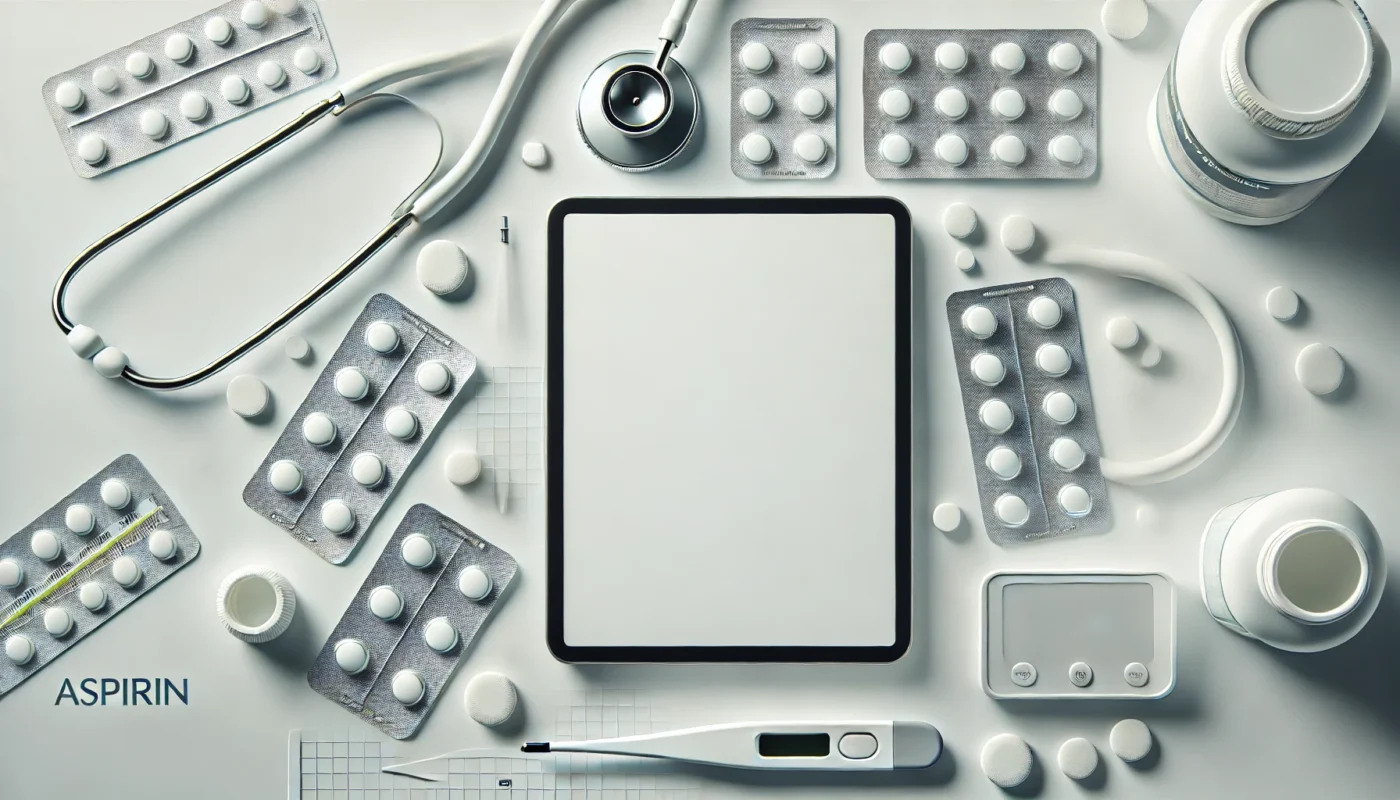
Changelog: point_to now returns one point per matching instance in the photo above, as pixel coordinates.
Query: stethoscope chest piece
(634, 117)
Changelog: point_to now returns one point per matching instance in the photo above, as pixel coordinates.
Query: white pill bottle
(1266, 102)
(1300, 570)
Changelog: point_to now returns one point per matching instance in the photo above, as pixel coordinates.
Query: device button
(1135, 674)
(1081, 674)
(857, 745)
(1024, 674)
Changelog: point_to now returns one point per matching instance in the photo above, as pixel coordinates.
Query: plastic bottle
(1266, 102)
(1300, 570)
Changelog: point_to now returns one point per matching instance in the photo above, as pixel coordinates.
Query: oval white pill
(1320, 369)
(1044, 312)
(979, 321)
(1004, 463)
(381, 337)
(474, 583)
(115, 493)
(92, 596)
(218, 30)
(179, 48)
(1078, 759)
(1006, 760)
(1124, 19)
(19, 649)
(462, 467)
(154, 124)
(1065, 58)
(951, 56)
(1008, 104)
(1066, 150)
(318, 429)
(126, 572)
(947, 517)
(896, 57)
(1012, 510)
(79, 519)
(756, 102)
(367, 470)
(996, 416)
(92, 148)
(271, 74)
(352, 656)
(109, 362)
(337, 517)
(106, 79)
(418, 551)
(11, 573)
(307, 60)
(964, 259)
(1008, 149)
(400, 423)
(194, 106)
(69, 96)
(1052, 359)
(951, 149)
(1017, 233)
(442, 267)
(433, 377)
(85, 341)
(385, 602)
(809, 56)
(895, 103)
(959, 220)
(409, 687)
(235, 90)
(896, 149)
(1008, 57)
(254, 14)
(988, 369)
(351, 383)
(58, 622)
(951, 103)
(45, 545)
(810, 102)
(1151, 356)
(1067, 454)
(1075, 501)
(534, 154)
(1060, 408)
(810, 148)
(440, 634)
(1130, 740)
(140, 65)
(1122, 333)
(1065, 104)
(162, 545)
(756, 57)
(491, 698)
(1282, 303)
(247, 396)
(285, 476)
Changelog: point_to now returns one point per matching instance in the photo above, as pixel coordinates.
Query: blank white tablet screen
(729, 430)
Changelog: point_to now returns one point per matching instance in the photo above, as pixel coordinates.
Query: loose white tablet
(1006, 760)
(153, 123)
(1060, 408)
(318, 429)
(235, 90)
(1282, 303)
(45, 546)
(1044, 312)
(92, 596)
(92, 148)
(1066, 105)
(896, 149)
(1052, 359)
(401, 423)
(951, 56)
(896, 57)
(462, 468)
(11, 573)
(979, 321)
(1003, 462)
(895, 103)
(126, 572)
(810, 102)
(162, 545)
(474, 583)
(69, 96)
(756, 57)
(965, 260)
(381, 337)
(996, 416)
(271, 74)
(352, 656)
(810, 148)
(385, 602)
(440, 634)
(351, 383)
(79, 519)
(1151, 356)
(58, 622)
(418, 551)
(756, 148)
(1017, 234)
(1012, 510)
(218, 30)
(1077, 757)
(960, 221)
(1319, 369)
(1122, 333)
(809, 56)
(756, 102)
(115, 493)
(491, 698)
(442, 267)
(140, 65)
(1009, 149)
(951, 103)
(297, 348)
(109, 362)
(19, 649)
(951, 149)
(247, 396)
(408, 687)
(1008, 57)
(255, 14)
(1065, 58)
(337, 516)
(307, 60)
(1124, 19)
(1008, 104)
(988, 369)
(433, 377)
(285, 476)
(367, 469)
(947, 517)
(179, 48)
(1130, 740)
(194, 106)
(106, 79)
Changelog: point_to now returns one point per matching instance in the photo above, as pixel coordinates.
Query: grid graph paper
(504, 418)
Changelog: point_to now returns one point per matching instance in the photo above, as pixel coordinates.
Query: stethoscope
(637, 111)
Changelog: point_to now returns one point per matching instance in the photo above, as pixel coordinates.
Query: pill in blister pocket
(1066, 150)
(140, 65)
(1004, 463)
(951, 103)
(1052, 359)
(105, 79)
(1067, 454)
(1065, 58)
(996, 416)
(92, 596)
(126, 572)
(368, 470)
(11, 573)
(1075, 501)
(161, 543)
(440, 634)
(179, 48)
(271, 74)
(1008, 57)
(352, 656)
(951, 56)
(285, 476)
(1060, 407)
(474, 583)
(1012, 510)
(418, 551)
(45, 545)
(1066, 105)
(69, 96)
(79, 519)
(408, 687)
(951, 149)
(318, 429)
(1009, 149)
(896, 149)
(810, 148)
(756, 57)
(381, 337)
(254, 14)
(895, 103)
(1008, 104)
(154, 124)
(979, 321)
(896, 57)
(194, 106)
(92, 148)
(988, 369)
(218, 30)
(756, 102)
(235, 90)
(386, 603)
(810, 102)
(1044, 312)
(19, 649)
(756, 148)
(351, 383)
(400, 423)
(58, 622)
(433, 377)
(307, 60)
(337, 517)
(809, 56)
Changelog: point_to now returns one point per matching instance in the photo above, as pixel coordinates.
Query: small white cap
(92, 596)
(809, 56)
(351, 383)
(337, 516)
(964, 259)
(84, 341)
(45, 546)
(106, 79)
(381, 337)
(1067, 454)
(1066, 150)
(987, 369)
(442, 267)
(247, 396)
(115, 493)
(756, 148)
(1003, 462)
(1065, 58)
(58, 622)
(951, 56)
(756, 57)
(307, 60)
(810, 102)
(11, 573)
(1008, 104)
(218, 30)
(1052, 359)
(92, 148)
(1008, 57)
(235, 90)
(534, 155)
(1065, 104)
(1060, 408)
(1078, 759)
(418, 551)
(179, 48)
(126, 572)
(895, 103)
(69, 96)
(1281, 302)
(491, 698)
(255, 14)
(79, 519)
(951, 149)
(318, 429)
(140, 65)
(351, 656)
(271, 74)
(896, 149)
(162, 544)
(255, 604)
(960, 221)
(385, 602)
(409, 687)
(1075, 501)
(474, 583)
(1044, 312)
(951, 102)
(297, 348)
(1320, 369)
(154, 124)
(896, 57)
(1008, 149)
(367, 469)
(433, 377)
(400, 423)
(440, 634)
(1012, 510)
(461, 468)
(947, 517)
(193, 106)
(979, 321)
(19, 649)
(1007, 760)
(1017, 233)
(996, 416)
(1122, 333)
(810, 148)
(285, 476)
(1130, 740)
(756, 102)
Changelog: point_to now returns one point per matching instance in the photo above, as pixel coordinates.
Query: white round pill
(1052, 359)
(1124, 19)
(1075, 501)
(440, 634)
(247, 396)
(810, 148)
(381, 337)
(284, 476)
(194, 106)
(896, 57)
(318, 429)
(947, 517)
(1065, 58)
(491, 698)
(1065, 104)
(106, 79)
(1282, 303)
(810, 102)
(1008, 104)
(140, 65)
(896, 149)
(1008, 149)
(979, 321)
(895, 103)
(58, 622)
(1012, 510)
(254, 14)
(433, 377)
(756, 57)
(1044, 312)
(1017, 233)
(92, 148)
(996, 416)
(235, 90)
(1319, 369)
(756, 102)
(964, 259)
(352, 656)
(115, 493)
(756, 148)
(84, 341)
(218, 30)
(79, 519)
(959, 220)
(951, 103)
(367, 469)
(69, 96)
(385, 602)
(162, 544)
(534, 155)
(11, 573)
(951, 149)
(1122, 333)
(1007, 760)
(307, 60)
(109, 362)
(809, 56)
(988, 369)
(154, 124)
(461, 468)
(442, 267)
(271, 74)
(92, 596)
(1003, 462)
(409, 687)
(1060, 408)
(1151, 356)
(19, 649)
(351, 383)
(1008, 57)
(337, 516)
(1078, 759)
(1066, 150)
(1130, 740)
(296, 347)
(45, 545)
(951, 56)
(179, 48)
(126, 572)
(400, 423)
(418, 551)
(474, 583)
(1067, 454)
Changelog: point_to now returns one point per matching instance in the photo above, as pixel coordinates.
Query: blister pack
(185, 80)
(359, 429)
(1030, 415)
(1009, 104)
(782, 98)
(411, 622)
(88, 557)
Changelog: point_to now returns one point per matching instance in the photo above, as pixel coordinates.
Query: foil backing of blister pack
(399, 644)
(359, 428)
(115, 116)
(146, 495)
(979, 127)
(782, 80)
(1024, 390)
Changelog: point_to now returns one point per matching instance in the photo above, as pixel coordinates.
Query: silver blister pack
(427, 594)
(359, 429)
(82, 573)
(1035, 435)
(122, 117)
(978, 81)
(782, 80)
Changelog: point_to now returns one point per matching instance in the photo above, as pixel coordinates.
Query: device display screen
(794, 745)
